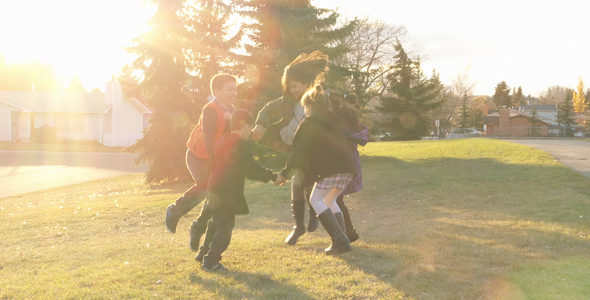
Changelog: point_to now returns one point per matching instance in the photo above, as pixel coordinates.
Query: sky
(533, 44)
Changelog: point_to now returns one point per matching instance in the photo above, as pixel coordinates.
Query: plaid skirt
(339, 181)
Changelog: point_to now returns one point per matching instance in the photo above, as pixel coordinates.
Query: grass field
(460, 219)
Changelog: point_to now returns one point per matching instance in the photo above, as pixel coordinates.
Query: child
(322, 156)
(346, 105)
(212, 124)
(302, 73)
(231, 163)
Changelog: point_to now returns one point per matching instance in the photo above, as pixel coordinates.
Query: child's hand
(280, 179)
(257, 132)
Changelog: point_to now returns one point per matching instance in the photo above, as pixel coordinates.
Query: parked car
(388, 136)
(458, 133)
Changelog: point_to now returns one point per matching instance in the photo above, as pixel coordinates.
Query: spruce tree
(566, 115)
(502, 95)
(518, 99)
(210, 47)
(129, 83)
(464, 113)
(75, 85)
(413, 97)
(161, 58)
(280, 30)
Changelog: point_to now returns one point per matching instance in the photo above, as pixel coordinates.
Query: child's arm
(269, 110)
(209, 128)
(251, 169)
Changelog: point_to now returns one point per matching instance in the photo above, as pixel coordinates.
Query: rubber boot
(340, 243)
(313, 223)
(340, 219)
(350, 232)
(298, 208)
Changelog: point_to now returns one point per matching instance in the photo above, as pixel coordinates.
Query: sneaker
(216, 267)
(171, 219)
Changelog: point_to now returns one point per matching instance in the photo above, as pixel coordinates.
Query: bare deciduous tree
(554, 94)
(460, 90)
(371, 56)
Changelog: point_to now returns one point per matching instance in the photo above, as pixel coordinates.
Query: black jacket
(320, 148)
(232, 161)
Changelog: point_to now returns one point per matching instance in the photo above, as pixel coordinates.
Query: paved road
(28, 171)
(574, 154)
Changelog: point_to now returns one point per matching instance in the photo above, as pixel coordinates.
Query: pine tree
(413, 97)
(162, 60)
(566, 115)
(502, 95)
(518, 98)
(75, 85)
(535, 122)
(210, 47)
(464, 114)
(279, 32)
(129, 83)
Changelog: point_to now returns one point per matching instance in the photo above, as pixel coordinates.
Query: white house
(107, 117)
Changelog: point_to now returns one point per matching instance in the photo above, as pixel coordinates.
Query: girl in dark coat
(346, 106)
(322, 156)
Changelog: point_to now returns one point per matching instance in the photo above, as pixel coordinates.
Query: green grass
(59, 147)
(459, 219)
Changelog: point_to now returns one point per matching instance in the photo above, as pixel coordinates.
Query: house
(512, 123)
(107, 118)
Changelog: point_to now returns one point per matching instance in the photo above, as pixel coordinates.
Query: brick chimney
(504, 122)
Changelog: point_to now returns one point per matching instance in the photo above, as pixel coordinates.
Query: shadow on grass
(258, 286)
(453, 228)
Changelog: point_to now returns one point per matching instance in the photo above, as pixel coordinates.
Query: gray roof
(544, 107)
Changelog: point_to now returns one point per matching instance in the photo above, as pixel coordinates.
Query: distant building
(107, 118)
(512, 123)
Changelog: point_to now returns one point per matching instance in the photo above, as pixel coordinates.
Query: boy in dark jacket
(232, 162)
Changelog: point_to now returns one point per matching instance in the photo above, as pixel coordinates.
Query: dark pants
(199, 169)
(299, 196)
(225, 223)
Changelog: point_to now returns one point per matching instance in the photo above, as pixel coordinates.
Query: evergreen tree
(518, 98)
(279, 31)
(413, 97)
(162, 60)
(566, 115)
(75, 85)
(502, 95)
(535, 122)
(210, 47)
(129, 83)
(464, 114)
